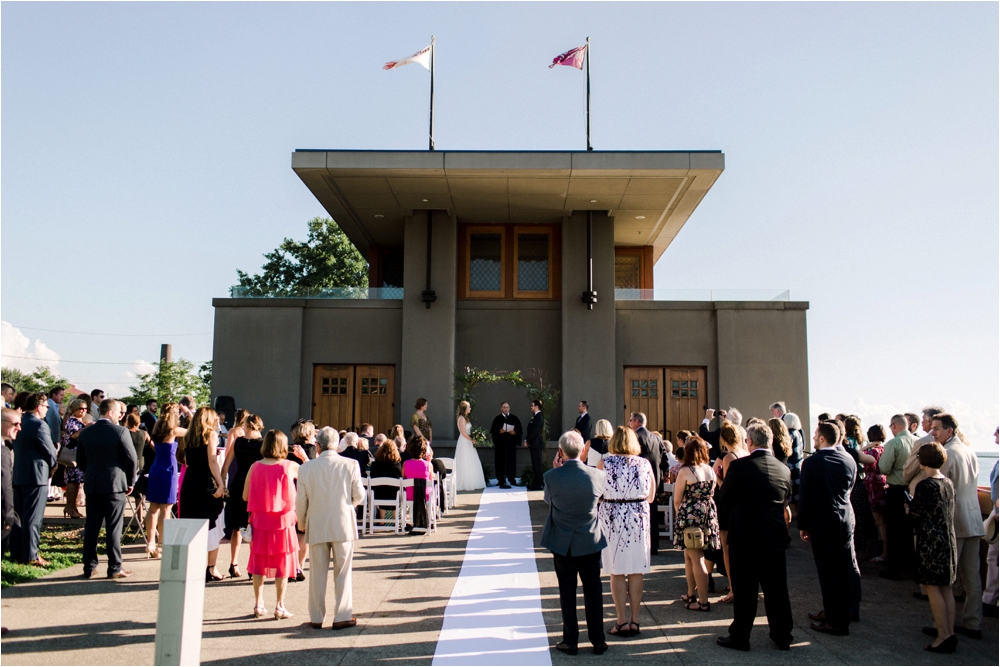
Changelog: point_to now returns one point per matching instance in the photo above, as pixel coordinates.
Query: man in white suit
(328, 489)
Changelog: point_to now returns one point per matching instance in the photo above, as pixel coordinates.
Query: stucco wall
(588, 335)
(257, 357)
(350, 332)
(763, 357)
(508, 336)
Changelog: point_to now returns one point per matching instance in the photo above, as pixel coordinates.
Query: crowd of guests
(739, 490)
(293, 497)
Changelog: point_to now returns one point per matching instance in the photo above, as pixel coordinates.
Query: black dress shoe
(949, 645)
(87, 575)
(972, 634)
(566, 648)
(600, 649)
(729, 642)
(818, 616)
(505, 486)
(829, 629)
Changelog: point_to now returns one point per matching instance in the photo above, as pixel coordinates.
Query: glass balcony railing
(702, 295)
(382, 293)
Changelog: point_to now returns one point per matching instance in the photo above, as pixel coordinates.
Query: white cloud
(20, 353)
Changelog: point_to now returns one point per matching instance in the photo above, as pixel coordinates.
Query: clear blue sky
(146, 156)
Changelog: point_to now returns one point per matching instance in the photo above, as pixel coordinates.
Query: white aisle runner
(494, 616)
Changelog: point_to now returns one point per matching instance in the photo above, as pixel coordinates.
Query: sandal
(697, 606)
(620, 630)
(689, 598)
(726, 598)
(636, 631)
(259, 611)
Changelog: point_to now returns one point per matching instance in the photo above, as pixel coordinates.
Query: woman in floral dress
(694, 506)
(74, 476)
(629, 488)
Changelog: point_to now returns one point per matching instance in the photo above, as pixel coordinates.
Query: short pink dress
(271, 504)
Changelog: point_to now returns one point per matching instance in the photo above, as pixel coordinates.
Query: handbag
(67, 457)
(694, 538)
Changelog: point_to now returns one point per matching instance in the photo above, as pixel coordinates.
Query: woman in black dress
(932, 512)
(202, 490)
(245, 451)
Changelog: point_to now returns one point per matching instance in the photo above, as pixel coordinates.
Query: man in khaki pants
(328, 489)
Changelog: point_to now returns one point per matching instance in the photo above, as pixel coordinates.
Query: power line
(70, 361)
(95, 333)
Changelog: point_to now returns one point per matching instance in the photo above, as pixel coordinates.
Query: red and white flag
(572, 58)
(421, 57)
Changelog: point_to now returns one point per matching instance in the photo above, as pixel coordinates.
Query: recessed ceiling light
(640, 217)
(379, 215)
(593, 201)
(424, 200)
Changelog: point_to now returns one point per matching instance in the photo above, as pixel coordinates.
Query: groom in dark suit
(535, 438)
(505, 445)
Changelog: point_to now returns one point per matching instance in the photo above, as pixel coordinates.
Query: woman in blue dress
(161, 489)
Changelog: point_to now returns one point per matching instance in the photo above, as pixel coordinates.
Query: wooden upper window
(508, 262)
(634, 268)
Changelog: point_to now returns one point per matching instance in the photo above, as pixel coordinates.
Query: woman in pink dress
(416, 465)
(270, 495)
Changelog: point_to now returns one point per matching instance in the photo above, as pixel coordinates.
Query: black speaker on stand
(227, 405)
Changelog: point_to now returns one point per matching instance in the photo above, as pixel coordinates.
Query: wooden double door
(345, 397)
(673, 398)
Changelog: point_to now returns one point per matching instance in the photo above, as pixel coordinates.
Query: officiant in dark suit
(583, 424)
(535, 439)
(506, 433)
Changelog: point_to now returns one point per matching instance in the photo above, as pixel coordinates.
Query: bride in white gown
(468, 470)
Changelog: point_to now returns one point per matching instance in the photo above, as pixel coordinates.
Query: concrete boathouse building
(510, 260)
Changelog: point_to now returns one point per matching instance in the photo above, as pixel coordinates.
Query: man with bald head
(898, 531)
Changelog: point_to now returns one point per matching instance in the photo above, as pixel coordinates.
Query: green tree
(327, 259)
(170, 382)
(40, 380)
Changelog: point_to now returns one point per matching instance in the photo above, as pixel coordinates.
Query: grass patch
(61, 547)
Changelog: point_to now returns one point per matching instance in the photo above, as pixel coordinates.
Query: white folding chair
(375, 524)
(134, 520)
(668, 513)
(408, 504)
(448, 484)
(363, 519)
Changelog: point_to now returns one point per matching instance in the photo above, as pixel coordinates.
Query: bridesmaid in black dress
(246, 452)
(932, 512)
(202, 490)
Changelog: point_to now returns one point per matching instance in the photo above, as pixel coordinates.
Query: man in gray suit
(34, 456)
(573, 534)
(105, 454)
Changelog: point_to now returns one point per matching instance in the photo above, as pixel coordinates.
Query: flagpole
(589, 147)
(432, 95)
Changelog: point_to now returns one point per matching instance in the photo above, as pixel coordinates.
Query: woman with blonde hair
(72, 425)
(468, 468)
(202, 490)
(161, 484)
(595, 448)
(629, 488)
(269, 494)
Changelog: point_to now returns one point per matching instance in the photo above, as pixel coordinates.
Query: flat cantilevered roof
(650, 194)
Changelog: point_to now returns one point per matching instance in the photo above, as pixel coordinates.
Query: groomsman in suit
(826, 521)
(34, 458)
(755, 498)
(650, 448)
(535, 438)
(583, 424)
(506, 433)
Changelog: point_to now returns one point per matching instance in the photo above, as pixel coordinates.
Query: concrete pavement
(401, 588)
